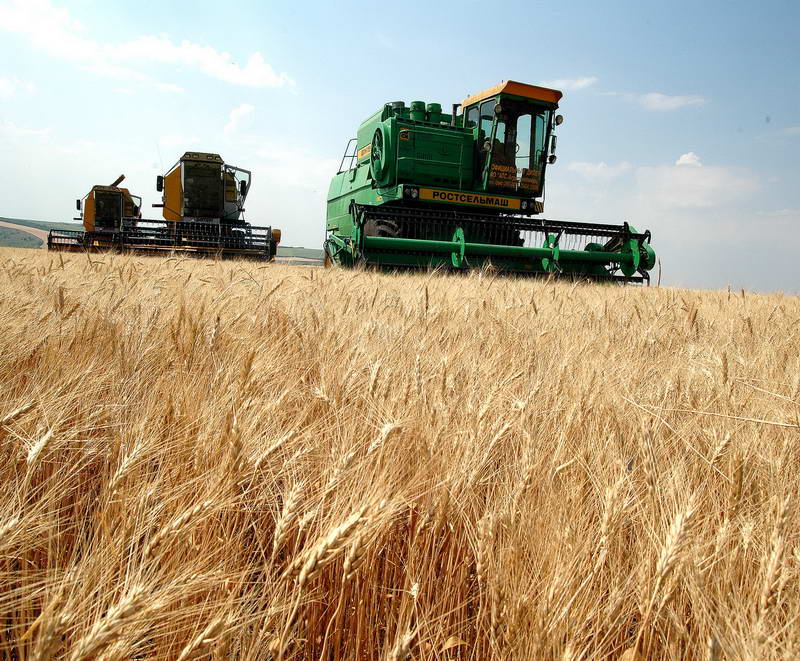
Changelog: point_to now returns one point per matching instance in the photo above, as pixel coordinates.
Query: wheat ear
(772, 571)
(106, 630)
(176, 526)
(287, 518)
(204, 638)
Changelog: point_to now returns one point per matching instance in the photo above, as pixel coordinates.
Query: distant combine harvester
(202, 203)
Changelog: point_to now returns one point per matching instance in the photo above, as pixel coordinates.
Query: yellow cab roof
(518, 89)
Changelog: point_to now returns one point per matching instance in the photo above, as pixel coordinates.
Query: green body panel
(425, 188)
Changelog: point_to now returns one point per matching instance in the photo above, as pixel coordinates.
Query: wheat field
(208, 460)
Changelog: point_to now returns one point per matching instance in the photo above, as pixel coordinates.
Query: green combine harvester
(420, 188)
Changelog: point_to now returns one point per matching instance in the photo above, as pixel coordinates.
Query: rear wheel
(382, 227)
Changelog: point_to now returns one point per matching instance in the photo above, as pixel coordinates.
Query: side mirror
(552, 159)
(159, 183)
(78, 205)
(559, 120)
(242, 188)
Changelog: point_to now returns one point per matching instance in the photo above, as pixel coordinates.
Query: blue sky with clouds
(681, 117)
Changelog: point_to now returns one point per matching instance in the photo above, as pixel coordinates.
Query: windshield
(106, 208)
(518, 150)
(202, 189)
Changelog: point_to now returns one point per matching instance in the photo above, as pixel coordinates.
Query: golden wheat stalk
(178, 525)
(386, 431)
(288, 516)
(272, 449)
(518, 404)
(16, 413)
(7, 527)
(38, 448)
(672, 550)
(773, 568)
(401, 650)
(125, 466)
(108, 628)
(327, 549)
(205, 638)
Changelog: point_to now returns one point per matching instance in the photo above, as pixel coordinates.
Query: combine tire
(382, 227)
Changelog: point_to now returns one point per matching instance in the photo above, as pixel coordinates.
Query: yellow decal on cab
(364, 151)
(476, 199)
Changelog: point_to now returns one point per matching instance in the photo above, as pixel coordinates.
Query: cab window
(518, 149)
(487, 117)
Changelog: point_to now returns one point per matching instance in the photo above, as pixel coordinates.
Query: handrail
(344, 156)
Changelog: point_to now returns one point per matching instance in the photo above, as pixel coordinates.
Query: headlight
(414, 193)
(524, 204)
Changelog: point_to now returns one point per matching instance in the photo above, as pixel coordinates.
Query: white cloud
(169, 87)
(682, 186)
(240, 117)
(599, 171)
(782, 216)
(690, 159)
(255, 73)
(662, 102)
(295, 168)
(7, 88)
(11, 131)
(171, 143)
(11, 86)
(291, 182)
(54, 31)
(571, 84)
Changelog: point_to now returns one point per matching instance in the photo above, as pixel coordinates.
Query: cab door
(235, 186)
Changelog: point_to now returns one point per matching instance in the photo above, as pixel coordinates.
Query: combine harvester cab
(106, 212)
(203, 203)
(421, 188)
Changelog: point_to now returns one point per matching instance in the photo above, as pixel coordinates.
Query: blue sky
(682, 118)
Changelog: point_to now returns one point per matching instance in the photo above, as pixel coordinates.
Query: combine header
(423, 188)
(202, 202)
